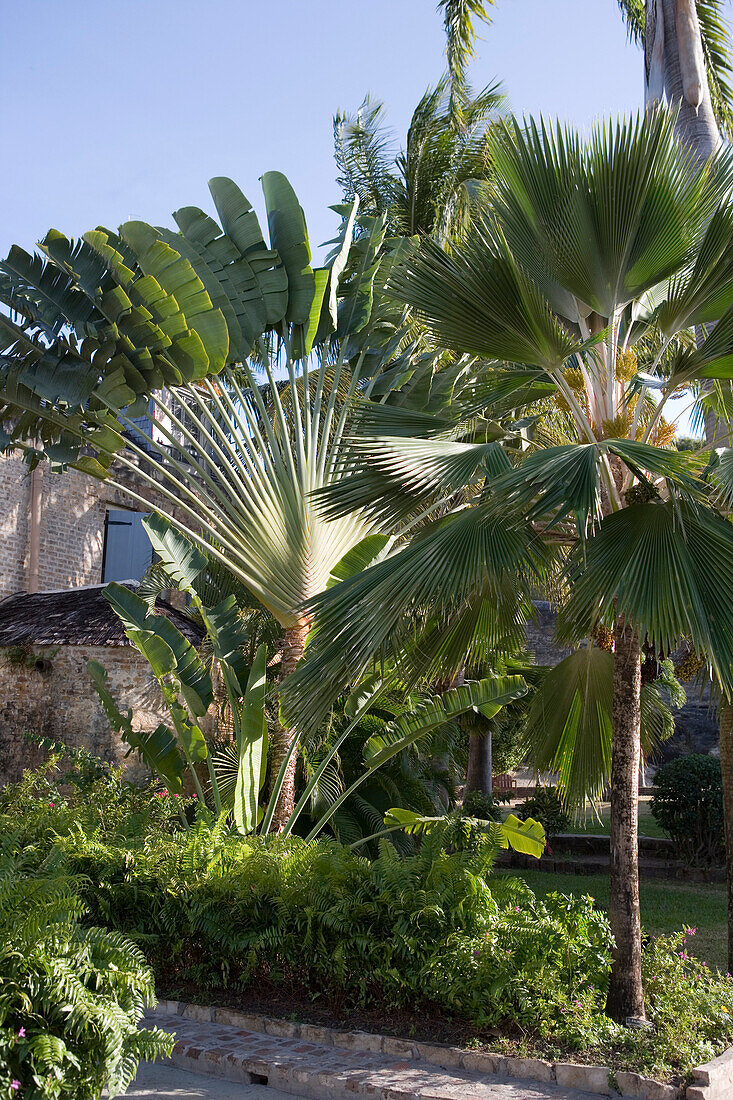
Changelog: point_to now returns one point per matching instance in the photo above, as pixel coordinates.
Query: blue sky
(123, 110)
(118, 110)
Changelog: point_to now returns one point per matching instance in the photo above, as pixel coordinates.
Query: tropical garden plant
(99, 330)
(237, 777)
(581, 285)
(428, 186)
(437, 933)
(71, 996)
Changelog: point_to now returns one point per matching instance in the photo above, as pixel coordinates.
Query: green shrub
(93, 798)
(487, 807)
(688, 804)
(545, 806)
(70, 996)
(435, 930)
(394, 930)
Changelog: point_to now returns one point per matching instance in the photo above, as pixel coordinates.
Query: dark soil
(423, 1024)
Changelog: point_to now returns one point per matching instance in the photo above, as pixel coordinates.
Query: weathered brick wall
(14, 508)
(62, 704)
(73, 508)
(72, 530)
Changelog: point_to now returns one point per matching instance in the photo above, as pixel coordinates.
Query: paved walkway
(162, 1082)
(298, 1067)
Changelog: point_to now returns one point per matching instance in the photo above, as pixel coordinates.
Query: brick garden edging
(713, 1081)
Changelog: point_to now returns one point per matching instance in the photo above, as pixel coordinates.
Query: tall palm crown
(580, 286)
(427, 187)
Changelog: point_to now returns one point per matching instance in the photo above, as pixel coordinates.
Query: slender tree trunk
(625, 993)
(282, 737)
(478, 772)
(726, 767)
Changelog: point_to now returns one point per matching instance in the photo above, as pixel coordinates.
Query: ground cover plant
(666, 907)
(71, 993)
(219, 915)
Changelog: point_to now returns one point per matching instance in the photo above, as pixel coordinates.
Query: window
(127, 549)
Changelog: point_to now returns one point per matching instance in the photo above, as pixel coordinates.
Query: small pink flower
(52, 804)
(21, 1033)
(15, 1084)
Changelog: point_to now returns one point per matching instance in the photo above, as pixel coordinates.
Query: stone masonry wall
(14, 508)
(73, 509)
(61, 703)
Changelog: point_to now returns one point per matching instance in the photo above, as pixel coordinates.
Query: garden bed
(712, 1081)
(423, 1024)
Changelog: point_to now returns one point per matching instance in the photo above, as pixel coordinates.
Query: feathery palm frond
(460, 33)
(427, 187)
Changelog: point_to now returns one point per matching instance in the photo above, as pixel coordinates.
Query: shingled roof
(76, 616)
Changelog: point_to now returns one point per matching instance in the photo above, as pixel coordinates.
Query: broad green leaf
(527, 836)
(183, 560)
(178, 278)
(240, 224)
(136, 616)
(156, 652)
(228, 635)
(252, 749)
(359, 557)
(289, 237)
(157, 748)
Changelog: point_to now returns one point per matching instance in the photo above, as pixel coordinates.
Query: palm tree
(687, 59)
(580, 286)
(460, 35)
(428, 187)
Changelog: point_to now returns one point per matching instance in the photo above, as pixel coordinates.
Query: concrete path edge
(712, 1081)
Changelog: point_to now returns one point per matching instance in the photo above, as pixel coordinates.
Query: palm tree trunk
(282, 737)
(478, 771)
(696, 127)
(625, 993)
(726, 767)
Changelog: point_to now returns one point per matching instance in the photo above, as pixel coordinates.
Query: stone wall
(14, 511)
(73, 510)
(60, 702)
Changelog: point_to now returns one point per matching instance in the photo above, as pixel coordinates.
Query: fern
(70, 996)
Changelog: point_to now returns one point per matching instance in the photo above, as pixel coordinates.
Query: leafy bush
(688, 804)
(545, 806)
(70, 996)
(93, 798)
(437, 929)
(487, 807)
(394, 930)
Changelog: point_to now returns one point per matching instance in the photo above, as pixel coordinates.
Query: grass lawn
(647, 825)
(665, 907)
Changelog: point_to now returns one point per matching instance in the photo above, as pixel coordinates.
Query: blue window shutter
(127, 549)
